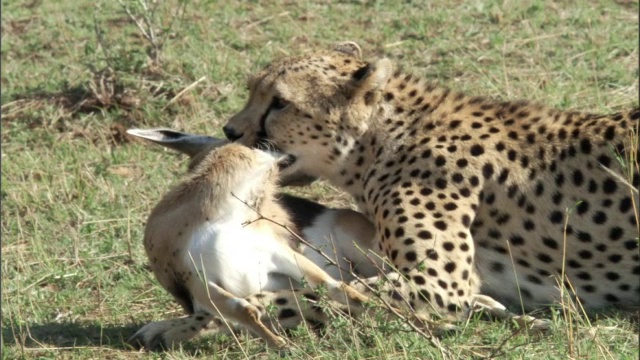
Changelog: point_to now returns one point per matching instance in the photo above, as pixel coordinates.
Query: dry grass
(76, 190)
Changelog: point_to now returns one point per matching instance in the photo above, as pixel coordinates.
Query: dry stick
(634, 161)
(305, 242)
(515, 275)
(179, 11)
(567, 287)
(146, 17)
(619, 178)
(262, 21)
(101, 41)
(429, 336)
(183, 91)
(129, 245)
(150, 35)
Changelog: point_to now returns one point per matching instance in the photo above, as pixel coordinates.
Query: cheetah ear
(349, 48)
(189, 144)
(373, 76)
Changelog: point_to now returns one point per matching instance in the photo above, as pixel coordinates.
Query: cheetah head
(312, 108)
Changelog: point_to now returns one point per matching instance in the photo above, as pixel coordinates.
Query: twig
(149, 33)
(183, 91)
(619, 178)
(150, 37)
(268, 18)
(180, 11)
(101, 41)
(152, 34)
(429, 336)
(298, 237)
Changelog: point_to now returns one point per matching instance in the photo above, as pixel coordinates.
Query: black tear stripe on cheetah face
(461, 188)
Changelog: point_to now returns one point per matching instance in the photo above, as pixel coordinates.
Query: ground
(76, 191)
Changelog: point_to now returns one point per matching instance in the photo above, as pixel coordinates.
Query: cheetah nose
(230, 133)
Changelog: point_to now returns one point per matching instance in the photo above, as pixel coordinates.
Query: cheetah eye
(278, 103)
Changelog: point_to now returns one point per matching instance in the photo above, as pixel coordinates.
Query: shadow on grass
(103, 92)
(70, 336)
(67, 335)
(78, 99)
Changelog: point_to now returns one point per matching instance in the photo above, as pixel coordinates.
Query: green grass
(76, 191)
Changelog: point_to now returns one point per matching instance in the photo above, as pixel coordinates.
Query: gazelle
(222, 234)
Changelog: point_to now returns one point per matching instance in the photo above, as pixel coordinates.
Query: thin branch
(137, 22)
(147, 16)
(179, 11)
(149, 32)
(619, 178)
(183, 91)
(101, 41)
(264, 20)
(427, 335)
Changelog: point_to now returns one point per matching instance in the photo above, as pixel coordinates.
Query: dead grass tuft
(102, 92)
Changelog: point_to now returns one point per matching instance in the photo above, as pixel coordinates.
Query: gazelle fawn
(222, 234)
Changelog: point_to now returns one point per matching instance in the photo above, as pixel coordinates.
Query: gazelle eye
(278, 103)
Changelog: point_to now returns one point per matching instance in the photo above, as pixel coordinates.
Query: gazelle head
(198, 146)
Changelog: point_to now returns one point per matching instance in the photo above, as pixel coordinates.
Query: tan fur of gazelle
(344, 235)
(209, 247)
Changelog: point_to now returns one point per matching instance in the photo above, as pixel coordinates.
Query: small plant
(144, 14)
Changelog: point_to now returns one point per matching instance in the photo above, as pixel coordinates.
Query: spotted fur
(468, 195)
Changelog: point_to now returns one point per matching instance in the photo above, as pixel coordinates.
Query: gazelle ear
(373, 77)
(349, 48)
(189, 144)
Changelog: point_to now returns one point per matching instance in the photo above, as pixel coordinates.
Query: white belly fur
(241, 260)
(338, 245)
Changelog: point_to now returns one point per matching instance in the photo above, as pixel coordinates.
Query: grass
(76, 191)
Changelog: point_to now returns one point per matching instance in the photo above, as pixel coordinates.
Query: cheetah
(470, 197)
(209, 247)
